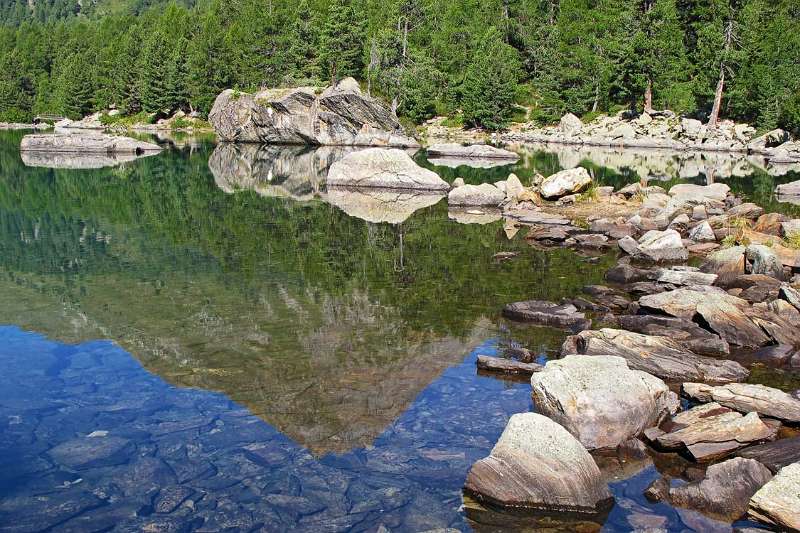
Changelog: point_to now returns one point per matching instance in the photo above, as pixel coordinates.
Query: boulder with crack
(600, 400)
(538, 465)
(657, 355)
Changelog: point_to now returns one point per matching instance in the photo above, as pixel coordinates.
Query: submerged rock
(601, 401)
(725, 491)
(746, 398)
(79, 160)
(383, 168)
(539, 465)
(337, 115)
(565, 182)
(547, 314)
(381, 205)
(657, 355)
(778, 502)
(502, 365)
(711, 431)
(86, 143)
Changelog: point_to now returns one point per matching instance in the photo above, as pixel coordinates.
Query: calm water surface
(207, 340)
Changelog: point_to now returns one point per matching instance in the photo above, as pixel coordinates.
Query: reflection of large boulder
(283, 171)
(477, 155)
(339, 115)
(85, 143)
(377, 205)
(77, 161)
(383, 169)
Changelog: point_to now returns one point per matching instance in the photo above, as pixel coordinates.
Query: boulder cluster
(663, 130)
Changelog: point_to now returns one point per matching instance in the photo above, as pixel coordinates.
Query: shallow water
(270, 355)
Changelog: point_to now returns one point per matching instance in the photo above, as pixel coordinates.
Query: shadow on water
(338, 323)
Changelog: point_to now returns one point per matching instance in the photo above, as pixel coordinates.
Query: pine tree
(342, 41)
(490, 83)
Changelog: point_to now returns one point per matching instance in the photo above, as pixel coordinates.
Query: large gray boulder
(476, 195)
(600, 400)
(657, 355)
(383, 168)
(85, 143)
(539, 465)
(338, 115)
(570, 124)
(656, 246)
(725, 491)
(764, 261)
(746, 398)
(778, 502)
(571, 181)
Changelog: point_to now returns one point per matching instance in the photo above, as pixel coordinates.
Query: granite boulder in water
(383, 168)
(85, 143)
(539, 465)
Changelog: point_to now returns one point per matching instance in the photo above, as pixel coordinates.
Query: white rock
(702, 233)
(566, 182)
(383, 168)
(476, 195)
(778, 502)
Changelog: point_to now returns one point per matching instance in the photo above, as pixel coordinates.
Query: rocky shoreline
(663, 131)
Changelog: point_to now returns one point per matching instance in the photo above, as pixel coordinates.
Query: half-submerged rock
(774, 455)
(503, 365)
(385, 169)
(339, 115)
(86, 143)
(746, 398)
(778, 502)
(474, 151)
(657, 355)
(484, 194)
(600, 400)
(539, 465)
(565, 316)
(725, 491)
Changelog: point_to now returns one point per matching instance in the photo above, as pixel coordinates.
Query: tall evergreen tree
(342, 41)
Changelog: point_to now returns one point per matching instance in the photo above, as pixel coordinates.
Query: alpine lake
(206, 340)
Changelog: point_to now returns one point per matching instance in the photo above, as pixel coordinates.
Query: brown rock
(502, 365)
(547, 314)
(770, 223)
(684, 332)
(774, 455)
(746, 398)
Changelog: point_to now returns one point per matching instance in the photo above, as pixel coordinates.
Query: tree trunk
(713, 119)
(648, 97)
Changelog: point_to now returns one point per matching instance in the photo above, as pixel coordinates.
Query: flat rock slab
(657, 355)
(501, 365)
(565, 316)
(601, 401)
(85, 143)
(711, 431)
(774, 455)
(746, 398)
(474, 151)
(778, 502)
(91, 452)
(538, 465)
(725, 491)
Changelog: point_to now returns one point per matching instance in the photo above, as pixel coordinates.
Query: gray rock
(565, 182)
(778, 502)
(86, 143)
(660, 356)
(537, 464)
(547, 314)
(790, 294)
(771, 139)
(570, 124)
(476, 195)
(91, 452)
(502, 365)
(685, 276)
(600, 400)
(788, 189)
(725, 491)
(746, 210)
(661, 246)
(383, 168)
(764, 261)
(790, 227)
(339, 115)
(684, 332)
(474, 151)
(702, 233)
(746, 398)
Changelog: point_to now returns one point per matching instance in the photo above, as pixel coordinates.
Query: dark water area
(207, 340)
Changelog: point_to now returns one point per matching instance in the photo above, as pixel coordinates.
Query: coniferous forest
(484, 62)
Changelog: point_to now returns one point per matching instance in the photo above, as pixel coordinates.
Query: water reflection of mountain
(325, 326)
(664, 164)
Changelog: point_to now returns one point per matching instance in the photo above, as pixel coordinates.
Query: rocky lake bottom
(205, 340)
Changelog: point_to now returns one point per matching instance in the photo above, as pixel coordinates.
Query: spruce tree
(342, 41)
